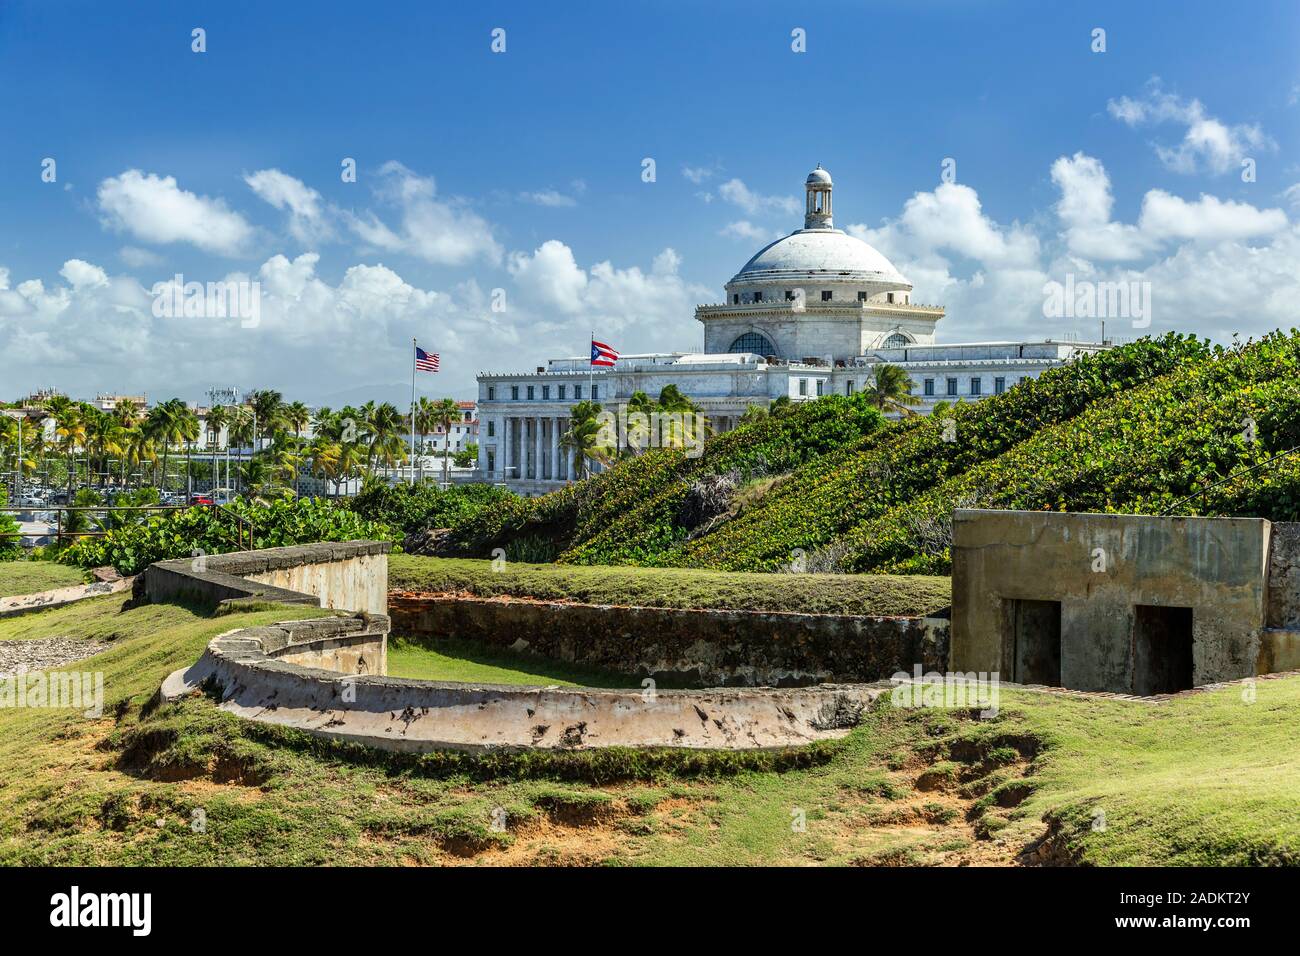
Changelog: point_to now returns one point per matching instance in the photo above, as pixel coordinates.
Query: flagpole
(411, 463)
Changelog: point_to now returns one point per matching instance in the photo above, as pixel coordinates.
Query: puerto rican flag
(426, 361)
(602, 354)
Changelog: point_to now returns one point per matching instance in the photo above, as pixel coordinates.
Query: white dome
(820, 254)
(818, 175)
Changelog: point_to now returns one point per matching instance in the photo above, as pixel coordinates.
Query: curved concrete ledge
(60, 597)
(265, 674)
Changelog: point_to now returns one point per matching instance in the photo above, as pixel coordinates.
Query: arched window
(897, 341)
(754, 342)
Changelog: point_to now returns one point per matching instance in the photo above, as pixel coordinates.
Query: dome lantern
(818, 187)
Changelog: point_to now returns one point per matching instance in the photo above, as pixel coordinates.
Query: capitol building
(809, 315)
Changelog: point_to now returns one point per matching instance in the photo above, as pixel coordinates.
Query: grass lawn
(32, 577)
(876, 594)
(1207, 779)
(457, 660)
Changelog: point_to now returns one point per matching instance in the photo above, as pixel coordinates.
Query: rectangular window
(789, 295)
(562, 392)
(848, 388)
(929, 388)
(891, 297)
(803, 386)
(821, 385)
(546, 393)
(952, 386)
(758, 297)
(826, 295)
(492, 429)
(999, 385)
(514, 393)
(531, 392)
(735, 299)
(976, 385)
(577, 392)
(492, 393)
(595, 393)
(862, 297)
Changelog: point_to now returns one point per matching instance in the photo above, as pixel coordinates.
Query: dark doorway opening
(1036, 642)
(1162, 649)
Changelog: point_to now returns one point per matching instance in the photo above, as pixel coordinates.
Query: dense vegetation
(675, 587)
(179, 534)
(649, 500)
(410, 508)
(825, 486)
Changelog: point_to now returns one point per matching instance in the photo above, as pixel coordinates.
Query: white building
(811, 314)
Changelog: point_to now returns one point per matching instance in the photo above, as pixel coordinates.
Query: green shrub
(177, 534)
(10, 548)
(415, 507)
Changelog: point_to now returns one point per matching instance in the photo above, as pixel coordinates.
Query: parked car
(200, 500)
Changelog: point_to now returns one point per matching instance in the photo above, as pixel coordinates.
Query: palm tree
(890, 390)
(673, 403)
(445, 412)
(69, 431)
(383, 427)
(239, 431)
(425, 422)
(296, 416)
(585, 436)
(268, 405)
(104, 434)
(218, 418)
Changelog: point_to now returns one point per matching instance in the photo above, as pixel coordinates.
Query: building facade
(811, 314)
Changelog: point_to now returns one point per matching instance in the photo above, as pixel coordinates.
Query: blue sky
(521, 171)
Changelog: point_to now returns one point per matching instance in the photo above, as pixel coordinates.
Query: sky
(526, 173)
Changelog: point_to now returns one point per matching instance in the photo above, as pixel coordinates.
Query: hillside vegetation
(829, 486)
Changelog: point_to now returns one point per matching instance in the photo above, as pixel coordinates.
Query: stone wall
(259, 673)
(346, 575)
(705, 647)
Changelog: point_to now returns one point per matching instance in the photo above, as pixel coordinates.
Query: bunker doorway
(1162, 649)
(1036, 642)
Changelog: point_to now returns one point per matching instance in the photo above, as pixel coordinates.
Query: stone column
(555, 447)
(537, 446)
(482, 449)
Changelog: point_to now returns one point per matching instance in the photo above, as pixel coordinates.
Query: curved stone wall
(262, 674)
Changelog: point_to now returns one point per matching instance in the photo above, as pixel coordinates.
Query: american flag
(602, 354)
(426, 361)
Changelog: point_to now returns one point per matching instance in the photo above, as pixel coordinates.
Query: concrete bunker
(1130, 604)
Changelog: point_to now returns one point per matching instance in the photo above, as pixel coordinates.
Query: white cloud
(437, 231)
(1209, 218)
(551, 275)
(82, 274)
(155, 209)
(698, 174)
(548, 197)
(951, 219)
(746, 230)
(307, 221)
(737, 193)
(1208, 142)
(1084, 209)
(1214, 266)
